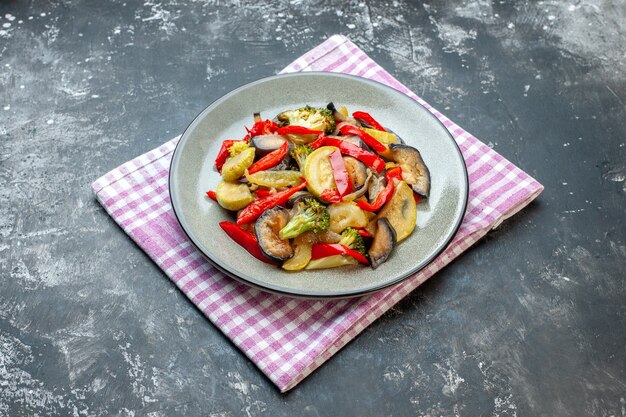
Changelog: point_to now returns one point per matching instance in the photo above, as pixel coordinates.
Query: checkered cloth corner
(288, 338)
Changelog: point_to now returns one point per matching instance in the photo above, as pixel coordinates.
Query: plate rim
(314, 294)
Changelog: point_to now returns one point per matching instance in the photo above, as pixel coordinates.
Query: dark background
(529, 322)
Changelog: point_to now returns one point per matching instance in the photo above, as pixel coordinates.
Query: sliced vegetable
(383, 243)
(331, 196)
(318, 171)
(262, 193)
(367, 118)
(275, 179)
(382, 136)
(300, 195)
(318, 142)
(343, 182)
(300, 153)
(300, 135)
(307, 214)
(400, 211)
(351, 239)
(309, 117)
(297, 130)
(267, 229)
(257, 207)
(265, 144)
(211, 194)
(334, 261)
(233, 195)
(302, 252)
(270, 160)
(245, 239)
(346, 214)
(394, 173)
(383, 196)
(371, 160)
(322, 250)
(365, 137)
(414, 170)
(237, 147)
(235, 167)
(223, 154)
(356, 170)
(341, 115)
(262, 128)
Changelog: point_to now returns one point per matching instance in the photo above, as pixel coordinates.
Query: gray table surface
(529, 322)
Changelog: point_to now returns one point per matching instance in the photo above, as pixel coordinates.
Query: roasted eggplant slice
(377, 184)
(414, 170)
(356, 170)
(383, 243)
(267, 228)
(265, 144)
(300, 195)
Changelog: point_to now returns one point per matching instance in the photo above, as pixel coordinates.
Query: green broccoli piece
(352, 239)
(237, 147)
(316, 118)
(300, 153)
(310, 215)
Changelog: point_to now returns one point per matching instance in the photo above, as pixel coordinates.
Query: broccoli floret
(316, 118)
(352, 239)
(300, 153)
(310, 215)
(237, 147)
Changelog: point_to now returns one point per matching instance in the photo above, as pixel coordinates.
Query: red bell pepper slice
(269, 160)
(257, 207)
(365, 137)
(322, 250)
(245, 239)
(373, 161)
(211, 194)
(297, 130)
(383, 196)
(321, 139)
(340, 174)
(367, 118)
(331, 196)
(222, 155)
(264, 127)
(364, 233)
(261, 193)
(417, 198)
(394, 173)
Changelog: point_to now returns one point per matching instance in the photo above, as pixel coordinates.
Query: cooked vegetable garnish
(310, 117)
(267, 229)
(352, 239)
(300, 153)
(362, 186)
(367, 118)
(322, 250)
(245, 239)
(270, 160)
(308, 214)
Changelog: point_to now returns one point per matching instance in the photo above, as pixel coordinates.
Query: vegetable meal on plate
(317, 188)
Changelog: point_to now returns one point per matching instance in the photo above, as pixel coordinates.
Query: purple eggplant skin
(267, 228)
(264, 144)
(356, 170)
(384, 242)
(414, 170)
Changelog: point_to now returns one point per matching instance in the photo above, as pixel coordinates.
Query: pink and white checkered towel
(288, 338)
